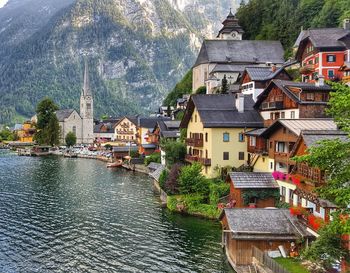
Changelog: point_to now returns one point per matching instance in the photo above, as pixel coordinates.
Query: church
(81, 124)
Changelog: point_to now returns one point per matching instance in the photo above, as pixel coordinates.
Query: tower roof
(230, 24)
(86, 88)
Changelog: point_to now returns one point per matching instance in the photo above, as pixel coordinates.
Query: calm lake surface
(75, 215)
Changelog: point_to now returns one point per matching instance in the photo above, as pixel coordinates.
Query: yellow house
(216, 127)
(26, 133)
(125, 130)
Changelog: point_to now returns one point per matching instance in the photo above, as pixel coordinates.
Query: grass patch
(292, 265)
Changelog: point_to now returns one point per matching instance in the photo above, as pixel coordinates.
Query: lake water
(75, 215)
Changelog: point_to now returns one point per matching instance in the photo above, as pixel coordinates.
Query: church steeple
(231, 29)
(86, 88)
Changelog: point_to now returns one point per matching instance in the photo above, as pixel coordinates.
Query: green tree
(224, 85)
(71, 139)
(7, 135)
(191, 180)
(183, 87)
(47, 126)
(201, 90)
(175, 151)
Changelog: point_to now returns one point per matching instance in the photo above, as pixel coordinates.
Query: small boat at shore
(116, 164)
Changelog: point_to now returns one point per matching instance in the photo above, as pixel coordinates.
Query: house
(256, 79)
(298, 189)
(104, 131)
(266, 229)
(258, 156)
(254, 190)
(119, 152)
(26, 132)
(164, 129)
(293, 100)
(145, 127)
(228, 55)
(125, 130)
(216, 125)
(282, 136)
(323, 51)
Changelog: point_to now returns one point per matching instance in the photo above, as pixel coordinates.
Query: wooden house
(254, 190)
(126, 130)
(120, 152)
(293, 100)
(265, 229)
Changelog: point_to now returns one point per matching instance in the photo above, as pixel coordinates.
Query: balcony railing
(257, 150)
(307, 69)
(314, 175)
(194, 142)
(193, 158)
(125, 132)
(272, 105)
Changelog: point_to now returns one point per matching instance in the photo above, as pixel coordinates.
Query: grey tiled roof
(121, 149)
(311, 137)
(220, 111)
(150, 122)
(156, 174)
(256, 132)
(298, 125)
(153, 166)
(228, 68)
(63, 114)
(263, 73)
(172, 124)
(326, 37)
(240, 51)
(250, 180)
(249, 223)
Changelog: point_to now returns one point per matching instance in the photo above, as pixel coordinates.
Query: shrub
(134, 154)
(155, 157)
(70, 139)
(162, 178)
(172, 184)
(218, 190)
(191, 180)
(175, 151)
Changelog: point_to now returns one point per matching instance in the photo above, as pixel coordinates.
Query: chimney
(273, 68)
(346, 24)
(320, 81)
(240, 102)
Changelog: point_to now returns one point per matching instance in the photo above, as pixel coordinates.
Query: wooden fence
(267, 261)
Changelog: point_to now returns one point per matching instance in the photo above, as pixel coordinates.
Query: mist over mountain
(136, 49)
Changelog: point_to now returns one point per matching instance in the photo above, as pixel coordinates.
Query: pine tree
(224, 85)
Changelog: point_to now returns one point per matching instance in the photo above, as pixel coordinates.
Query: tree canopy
(71, 139)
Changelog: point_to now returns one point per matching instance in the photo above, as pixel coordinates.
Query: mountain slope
(137, 50)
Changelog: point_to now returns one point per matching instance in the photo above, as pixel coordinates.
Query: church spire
(86, 88)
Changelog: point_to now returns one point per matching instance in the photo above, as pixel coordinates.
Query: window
(331, 58)
(241, 137)
(226, 156)
(271, 116)
(74, 129)
(310, 96)
(271, 165)
(291, 195)
(88, 106)
(292, 114)
(270, 144)
(206, 137)
(310, 62)
(226, 137)
(330, 73)
(283, 191)
(280, 147)
(283, 115)
(241, 156)
(252, 141)
(317, 60)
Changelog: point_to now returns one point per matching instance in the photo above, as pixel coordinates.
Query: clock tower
(231, 29)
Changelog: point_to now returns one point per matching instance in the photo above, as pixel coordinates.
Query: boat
(116, 164)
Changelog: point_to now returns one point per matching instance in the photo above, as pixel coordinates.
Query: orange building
(26, 133)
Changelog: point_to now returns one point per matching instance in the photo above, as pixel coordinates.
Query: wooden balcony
(194, 142)
(257, 150)
(193, 158)
(346, 79)
(129, 132)
(272, 105)
(307, 69)
(311, 174)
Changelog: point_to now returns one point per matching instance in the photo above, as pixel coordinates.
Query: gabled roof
(64, 114)
(150, 122)
(229, 68)
(296, 126)
(132, 119)
(323, 38)
(312, 137)
(240, 52)
(169, 128)
(253, 180)
(285, 87)
(264, 224)
(256, 132)
(219, 111)
(264, 73)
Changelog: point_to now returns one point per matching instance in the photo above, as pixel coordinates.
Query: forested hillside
(283, 19)
(137, 51)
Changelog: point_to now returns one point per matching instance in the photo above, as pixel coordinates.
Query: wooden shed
(265, 229)
(250, 189)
